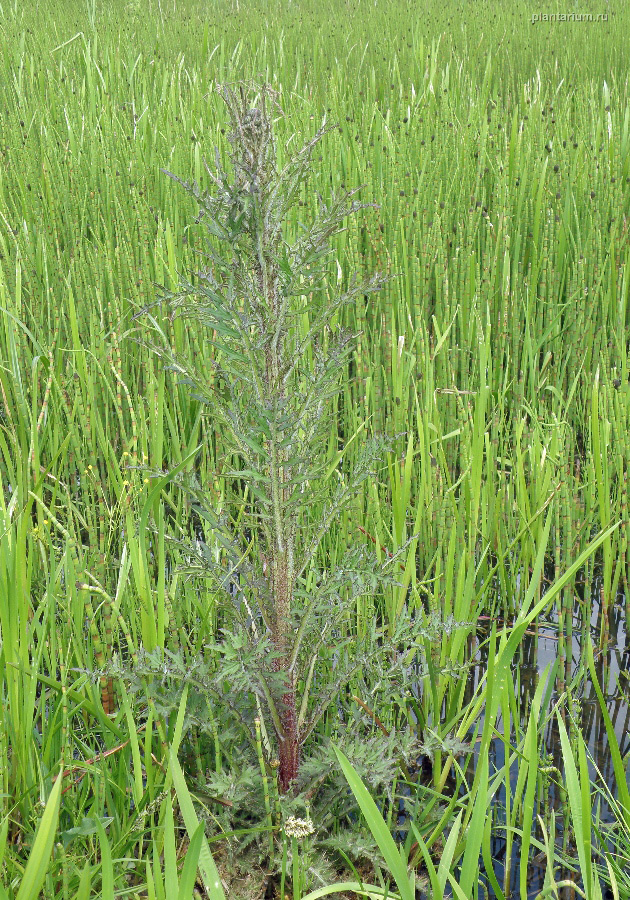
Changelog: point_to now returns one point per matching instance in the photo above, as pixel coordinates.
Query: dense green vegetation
(495, 360)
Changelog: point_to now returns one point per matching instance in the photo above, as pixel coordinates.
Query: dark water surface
(537, 653)
(612, 665)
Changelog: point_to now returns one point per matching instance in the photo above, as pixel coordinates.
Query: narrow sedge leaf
(170, 853)
(371, 891)
(529, 769)
(474, 837)
(458, 892)
(580, 816)
(107, 868)
(486, 850)
(39, 858)
(211, 878)
(433, 875)
(613, 744)
(191, 864)
(85, 883)
(446, 860)
(135, 748)
(4, 830)
(386, 844)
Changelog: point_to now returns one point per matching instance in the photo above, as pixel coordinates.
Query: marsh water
(537, 652)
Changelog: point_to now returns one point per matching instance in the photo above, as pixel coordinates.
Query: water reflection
(539, 649)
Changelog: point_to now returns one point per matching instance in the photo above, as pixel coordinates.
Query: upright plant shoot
(276, 364)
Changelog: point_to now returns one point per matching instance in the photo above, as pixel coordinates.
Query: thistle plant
(277, 363)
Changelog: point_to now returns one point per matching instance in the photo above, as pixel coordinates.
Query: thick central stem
(289, 750)
(282, 568)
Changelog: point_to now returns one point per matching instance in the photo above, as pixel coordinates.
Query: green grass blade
(107, 868)
(386, 844)
(613, 744)
(371, 891)
(212, 880)
(170, 853)
(474, 838)
(39, 859)
(580, 816)
(191, 864)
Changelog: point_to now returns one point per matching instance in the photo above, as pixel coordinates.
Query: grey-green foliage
(266, 309)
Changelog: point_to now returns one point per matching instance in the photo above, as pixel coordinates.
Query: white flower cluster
(298, 828)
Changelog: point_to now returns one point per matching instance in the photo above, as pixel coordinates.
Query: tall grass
(498, 152)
